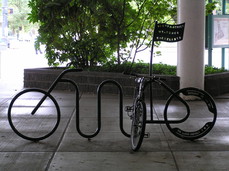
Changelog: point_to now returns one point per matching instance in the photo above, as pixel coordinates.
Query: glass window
(222, 7)
(227, 7)
(218, 10)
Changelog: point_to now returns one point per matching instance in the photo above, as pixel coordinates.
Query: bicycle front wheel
(138, 124)
(29, 125)
(190, 113)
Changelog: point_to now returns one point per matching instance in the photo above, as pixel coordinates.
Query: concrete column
(190, 63)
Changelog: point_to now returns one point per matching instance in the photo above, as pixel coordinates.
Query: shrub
(213, 70)
(143, 68)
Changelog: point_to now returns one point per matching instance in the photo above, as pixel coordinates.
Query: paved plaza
(110, 150)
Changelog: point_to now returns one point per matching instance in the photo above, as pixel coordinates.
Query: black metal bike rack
(120, 103)
(99, 103)
(99, 90)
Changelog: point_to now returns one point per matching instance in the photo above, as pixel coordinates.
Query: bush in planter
(213, 70)
(143, 68)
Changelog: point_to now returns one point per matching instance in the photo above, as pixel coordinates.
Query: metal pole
(4, 18)
(223, 49)
(209, 37)
(150, 74)
(224, 7)
(223, 58)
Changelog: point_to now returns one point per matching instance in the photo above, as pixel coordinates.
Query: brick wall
(89, 82)
(217, 84)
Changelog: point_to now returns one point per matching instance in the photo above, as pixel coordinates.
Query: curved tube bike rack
(120, 102)
(99, 90)
(99, 95)
(47, 94)
(137, 104)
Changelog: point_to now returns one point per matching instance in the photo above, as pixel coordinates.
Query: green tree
(88, 32)
(91, 32)
(18, 19)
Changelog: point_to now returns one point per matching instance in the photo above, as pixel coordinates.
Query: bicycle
(179, 105)
(28, 106)
(176, 120)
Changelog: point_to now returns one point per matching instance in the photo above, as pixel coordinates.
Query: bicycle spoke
(138, 125)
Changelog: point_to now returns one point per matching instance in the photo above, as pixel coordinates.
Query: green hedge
(143, 68)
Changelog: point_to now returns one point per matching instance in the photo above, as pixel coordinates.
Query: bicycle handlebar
(145, 76)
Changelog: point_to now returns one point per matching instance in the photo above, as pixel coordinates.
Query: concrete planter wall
(215, 84)
(89, 81)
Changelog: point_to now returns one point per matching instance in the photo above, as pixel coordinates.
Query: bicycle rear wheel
(138, 124)
(39, 125)
(190, 113)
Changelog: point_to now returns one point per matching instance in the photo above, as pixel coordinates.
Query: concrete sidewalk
(110, 150)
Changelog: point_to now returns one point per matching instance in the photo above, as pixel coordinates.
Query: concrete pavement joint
(61, 138)
(170, 149)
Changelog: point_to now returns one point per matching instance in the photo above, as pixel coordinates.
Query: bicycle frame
(143, 83)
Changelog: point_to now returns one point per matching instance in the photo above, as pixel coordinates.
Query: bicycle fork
(131, 112)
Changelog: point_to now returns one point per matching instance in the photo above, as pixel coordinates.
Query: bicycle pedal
(147, 135)
(128, 108)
